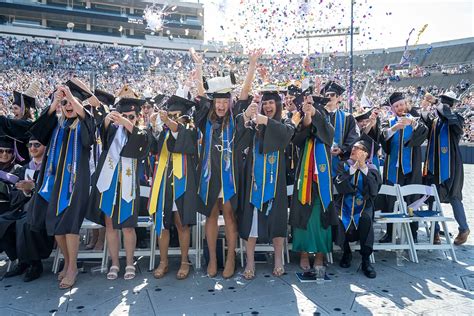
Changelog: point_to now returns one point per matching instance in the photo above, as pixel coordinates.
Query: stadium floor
(435, 286)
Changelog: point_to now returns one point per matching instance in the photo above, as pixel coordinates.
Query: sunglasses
(6, 151)
(130, 116)
(35, 145)
(330, 94)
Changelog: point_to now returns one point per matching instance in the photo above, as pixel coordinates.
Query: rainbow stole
(66, 176)
(396, 147)
(156, 203)
(440, 134)
(227, 163)
(353, 205)
(339, 130)
(315, 155)
(264, 177)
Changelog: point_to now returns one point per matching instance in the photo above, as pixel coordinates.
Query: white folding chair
(401, 224)
(429, 216)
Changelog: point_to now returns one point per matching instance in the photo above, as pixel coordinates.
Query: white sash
(128, 174)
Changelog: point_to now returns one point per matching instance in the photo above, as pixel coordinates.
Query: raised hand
(197, 58)
(255, 54)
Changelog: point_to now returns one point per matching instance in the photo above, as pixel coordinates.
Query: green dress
(314, 238)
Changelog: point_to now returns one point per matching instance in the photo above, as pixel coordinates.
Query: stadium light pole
(351, 77)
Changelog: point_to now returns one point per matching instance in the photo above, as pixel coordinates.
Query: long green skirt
(315, 238)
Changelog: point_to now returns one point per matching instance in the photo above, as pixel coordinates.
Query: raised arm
(198, 61)
(253, 58)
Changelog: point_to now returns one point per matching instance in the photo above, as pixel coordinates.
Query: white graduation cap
(220, 84)
(183, 92)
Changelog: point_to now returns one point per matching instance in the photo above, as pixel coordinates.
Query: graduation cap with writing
(271, 92)
(332, 86)
(129, 105)
(448, 98)
(370, 146)
(363, 115)
(220, 87)
(104, 97)
(78, 89)
(27, 99)
(395, 97)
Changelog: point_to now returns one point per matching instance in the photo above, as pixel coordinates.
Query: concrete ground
(435, 286)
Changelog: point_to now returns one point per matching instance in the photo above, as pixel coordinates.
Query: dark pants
(363, 233)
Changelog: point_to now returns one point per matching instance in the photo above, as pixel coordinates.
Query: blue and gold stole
(66, 176)
(227, 162)
(400, 156)
(439, 136)
(353, 204)
(264, 177)
(339, 130)
(158, 188)
(315, 156)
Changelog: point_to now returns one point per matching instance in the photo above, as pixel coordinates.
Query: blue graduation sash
(321, 161)
(179, 185)
(353, 204)
(397, 145)
(160, 206)
(339, 129)
(227, 163)
(439, 134)
(265, 175)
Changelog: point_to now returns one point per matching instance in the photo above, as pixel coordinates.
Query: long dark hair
(213, 116)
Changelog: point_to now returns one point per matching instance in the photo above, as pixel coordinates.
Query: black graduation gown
(415, 177)
(136, 147)
(451, 188)
(17, 129)
(275, 136)
(70, 220)
(322, 129)
(200, 118)
(350, 135)
(185, 143)
(6, 188)
(371, 186)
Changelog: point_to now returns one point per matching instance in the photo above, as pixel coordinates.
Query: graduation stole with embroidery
(117, 172)
(70, 144)
(398, 152)
(264, 177)
(315, 167)
(439, 135)
(339, 130)
(353, 204)
(227, 162)
(156, 203)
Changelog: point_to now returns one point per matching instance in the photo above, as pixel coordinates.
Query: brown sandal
(161, 270)
(183, 272)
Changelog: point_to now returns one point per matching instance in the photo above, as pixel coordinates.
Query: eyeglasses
(330, 94)
(130, 116)
(6, 151)
(35, 145)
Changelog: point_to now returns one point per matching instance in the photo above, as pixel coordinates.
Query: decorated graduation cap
(369, 145)
(104, 97)
(27, 99)
(363, 115)
(395, 97)
(78, 89)
(220, 87)
(271, 92)
(127, 92)
(293, 89)
(129, 104)
(332, 86)
(448, 98)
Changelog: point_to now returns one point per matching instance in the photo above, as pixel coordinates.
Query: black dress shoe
(346, 260)
(19, 269)
(368, 269)
(387, 238)
(33, 272)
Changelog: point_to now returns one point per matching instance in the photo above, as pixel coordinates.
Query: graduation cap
(448, 98)
(104, 97)
(318, 100)
(395, 97)
(369, 145)
(27, 99)
(7, 142)
(332, 86)
(363, 115)
(293, 89)
(127, 92)
(78, 89)
(157, 99)
(129, 104)
(177, 103)
(220, 87)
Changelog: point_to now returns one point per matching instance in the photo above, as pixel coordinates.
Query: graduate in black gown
(19, 241)
(115, 196)
(368, 123)
(402, 136)
(60, 202)
(220, 164)
(8, 168)
(443, 163)
(173, 196)
(357, 183)
(263, 212)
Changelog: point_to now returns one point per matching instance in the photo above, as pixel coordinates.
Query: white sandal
(113, 273)
(129, 272)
